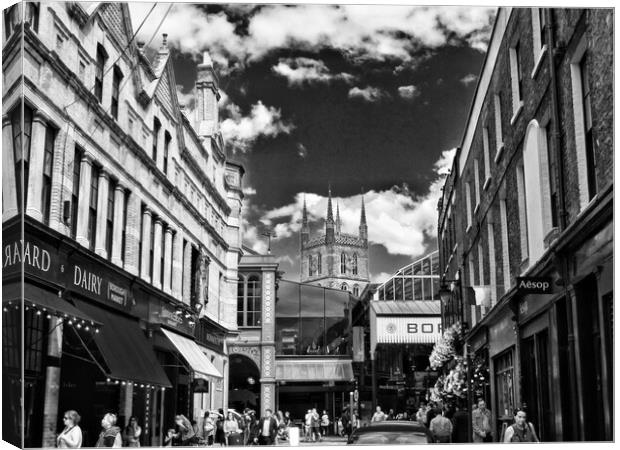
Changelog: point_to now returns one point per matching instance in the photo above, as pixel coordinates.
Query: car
(391, 432)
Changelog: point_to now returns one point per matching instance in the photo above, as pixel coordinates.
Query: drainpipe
(563, 263)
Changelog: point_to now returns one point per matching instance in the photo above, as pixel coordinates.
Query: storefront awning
(127, 352)
(44, 300)
(197, 360)
(313, 370)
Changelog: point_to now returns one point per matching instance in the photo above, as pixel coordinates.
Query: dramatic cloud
(408, 92)
(241, 131)
(362, 32)
(307, 70)
(369, 93)
(249, 191)
(468, 79)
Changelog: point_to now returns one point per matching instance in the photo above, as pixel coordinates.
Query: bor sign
(534, 285)
(408, 330)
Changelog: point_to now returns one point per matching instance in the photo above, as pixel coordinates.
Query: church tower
(335, 259)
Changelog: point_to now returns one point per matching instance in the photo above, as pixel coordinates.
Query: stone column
(34, 208)
(167, 260)
(9, 184)
(177, 264)
(159, 161)
(102, 214)
(125, 404)
(157, 254)
(132, 234)
(117, 235)
(56, 197)
(146, 245)
(83, 200)
(52, 383)
(187, 272)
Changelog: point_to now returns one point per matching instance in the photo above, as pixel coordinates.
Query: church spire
(338, 223)
(329, 223)
(363, 227)
(305, 230)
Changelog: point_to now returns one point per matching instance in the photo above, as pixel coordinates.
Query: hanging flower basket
(444, 349)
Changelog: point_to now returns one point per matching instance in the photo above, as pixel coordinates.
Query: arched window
(356, 290)
(249, 301)
(343, 263)
(354, 263)
(344, 287)
(309, 265)
(319, 265)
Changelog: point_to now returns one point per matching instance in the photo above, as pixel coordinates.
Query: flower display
(445, 348)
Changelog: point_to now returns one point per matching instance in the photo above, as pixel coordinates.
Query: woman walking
(208, 428)
(71, 435)
(132, 432)
(521, 430)
(110, 435)
(231, 430)
(220, 436)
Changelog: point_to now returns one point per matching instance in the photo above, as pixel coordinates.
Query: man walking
(441, 428)
(481, 423)
(268, 428)
(378, 416)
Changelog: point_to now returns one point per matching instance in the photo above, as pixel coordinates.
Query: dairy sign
(408, 329)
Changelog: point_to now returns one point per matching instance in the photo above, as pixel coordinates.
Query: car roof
(392, 425)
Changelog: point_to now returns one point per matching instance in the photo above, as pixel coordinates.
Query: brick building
(122, 215)
(530, 194)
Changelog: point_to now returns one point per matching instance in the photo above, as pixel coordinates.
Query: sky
(365, 99)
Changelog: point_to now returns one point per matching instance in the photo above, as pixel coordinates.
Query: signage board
(408, 330)
(38, 258)
(534, 285)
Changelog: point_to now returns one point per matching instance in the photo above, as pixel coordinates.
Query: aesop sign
(534, 285)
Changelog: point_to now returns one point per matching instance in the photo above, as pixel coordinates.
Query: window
(75, 193)
(354, 263)
(476, 184)
(253, 302)
(92, 207)
(310, 265)
(505, 250)
(156, 128)
(100, 63)
(12, 16)
(167, 139)
(162, 255)
(499, 139)
(82, 71)
(319, 264)
(553, 188)
(492, 261)
(587, 119)
(48, 157)
(151, 247)
(539, 22)
(343, 263)
(32, 15)
(516, 78)
(487, 161)
(109, 231)
(140, 241)
(504, 382)
(521, 199)
(468, 202)
(21, 152)
(344, 287)
(117, 76)
(356, 290)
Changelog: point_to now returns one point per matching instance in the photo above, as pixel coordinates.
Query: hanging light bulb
(49, 316)
(70, 322)
(87, 328)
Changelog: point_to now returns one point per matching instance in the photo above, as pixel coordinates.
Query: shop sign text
(534, 285)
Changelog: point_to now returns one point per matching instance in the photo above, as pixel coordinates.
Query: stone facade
(343, 257)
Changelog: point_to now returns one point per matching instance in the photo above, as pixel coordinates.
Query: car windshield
(389, 438)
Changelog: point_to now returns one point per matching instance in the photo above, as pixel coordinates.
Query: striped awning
(314, 370)
(191, 352)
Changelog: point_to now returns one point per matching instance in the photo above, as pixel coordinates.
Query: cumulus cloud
(468, 79)
(307, 70)
(397, 219)
(369, 93)
(249, 191)
(380, 277)
(240, 131)
(377, 32)
(408, 92)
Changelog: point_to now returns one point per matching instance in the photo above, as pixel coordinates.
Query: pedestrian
(324, 423)
(420, 415)
(231, 429)
(110, 435)
(307, 425)
(431, 412)
(315, 422)
(254, 429)
(131, 433)
(391, 415)
(71, 435)
(481, 423)
(441, 428)
(185, 433)
(170, 438)
(346, 422)
(287, 419)
(459, 425)
(521, 430)
(378, 416)
(208, 428)
(268, 429)
(220, 436)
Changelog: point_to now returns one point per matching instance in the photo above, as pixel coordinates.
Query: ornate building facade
(122, 215)
(335, 259)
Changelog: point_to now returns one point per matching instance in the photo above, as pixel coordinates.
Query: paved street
(329, 440)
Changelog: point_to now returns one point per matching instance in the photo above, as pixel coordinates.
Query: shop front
(402, 334)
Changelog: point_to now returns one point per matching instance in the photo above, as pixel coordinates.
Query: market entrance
(244, 385)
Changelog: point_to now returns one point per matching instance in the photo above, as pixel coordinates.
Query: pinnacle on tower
(330, 214)
(338, 223)
(363, 229)
(305, 230)
(329, 223)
